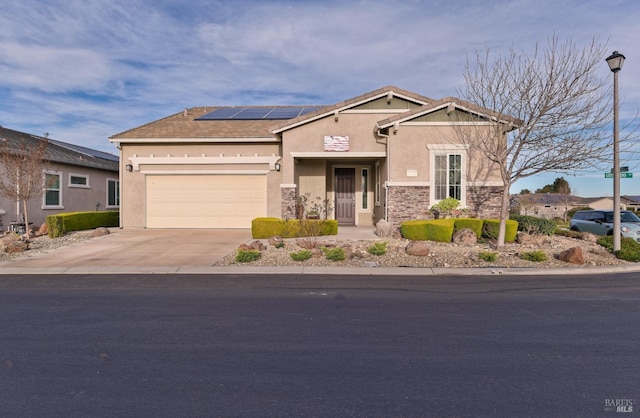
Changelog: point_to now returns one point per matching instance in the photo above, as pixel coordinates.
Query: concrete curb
(302, 270)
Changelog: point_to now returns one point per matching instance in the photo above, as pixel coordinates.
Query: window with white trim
(78, 180)
(52, 191)
(364, 187)
(113, 193)
(448, 176)
(377, 190)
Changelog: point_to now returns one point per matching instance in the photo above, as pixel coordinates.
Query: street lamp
(615, 62)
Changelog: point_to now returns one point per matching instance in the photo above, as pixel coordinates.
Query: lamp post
(615, 62)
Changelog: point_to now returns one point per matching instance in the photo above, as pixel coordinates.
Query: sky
(84, 70)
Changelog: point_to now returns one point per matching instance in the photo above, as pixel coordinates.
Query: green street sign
(622, 175)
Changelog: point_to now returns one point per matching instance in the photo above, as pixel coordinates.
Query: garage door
(205, 201)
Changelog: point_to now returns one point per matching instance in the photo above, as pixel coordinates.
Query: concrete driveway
(124, 248)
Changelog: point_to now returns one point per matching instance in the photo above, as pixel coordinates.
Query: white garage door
(205, 201)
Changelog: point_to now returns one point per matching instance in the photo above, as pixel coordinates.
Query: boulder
(44, 229)
(255, 245)
(383, 229)
(11, 244)
(418, 248)
(464, 236)
(572, 255)
(98, 232)
(276, 240)
(589, 237)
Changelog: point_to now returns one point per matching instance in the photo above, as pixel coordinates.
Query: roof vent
(185, 112)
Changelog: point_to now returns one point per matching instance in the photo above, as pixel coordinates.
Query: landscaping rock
(417, 248)
(44, 229)
(98, 232)
(589, 237)
(276, 240)
(572, 255)
(255, 245)
(383, 229)
(464, 236)
(11, 244)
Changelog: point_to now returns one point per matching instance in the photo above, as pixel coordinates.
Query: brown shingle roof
(348, 103)
(185, 125)
(444, 101)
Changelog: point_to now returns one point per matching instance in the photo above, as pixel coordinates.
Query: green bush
(629, 248)
(534, 225)
(491, 228)
(262, 228)
(62, 223)
(474, 224)
(440, 230)
(247, 256)
(488, 256)
(537, 255)
(379, 248)
(568, 233)
(446, 205)
(334, 254)
(301, 255)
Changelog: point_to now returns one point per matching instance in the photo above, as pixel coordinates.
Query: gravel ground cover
(440, 255)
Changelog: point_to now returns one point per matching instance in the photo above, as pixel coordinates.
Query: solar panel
(258, 113)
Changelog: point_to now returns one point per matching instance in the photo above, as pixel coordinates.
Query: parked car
(600, 222)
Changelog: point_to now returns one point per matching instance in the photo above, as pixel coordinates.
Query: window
(364, 187)
(52, 191)
(113, 193)
(78, 180)
(448, 176)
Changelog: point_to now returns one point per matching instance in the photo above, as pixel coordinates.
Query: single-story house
(387, 154)
(556, 205)
(75, 178)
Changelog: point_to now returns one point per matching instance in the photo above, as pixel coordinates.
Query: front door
(346, 195)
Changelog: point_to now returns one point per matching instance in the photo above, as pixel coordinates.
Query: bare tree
(560, 102)
(22, 165)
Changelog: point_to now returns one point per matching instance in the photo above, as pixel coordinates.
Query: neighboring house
(388, 154)
(556, 205)
(631, 202)
(76, 179)
(544, 205)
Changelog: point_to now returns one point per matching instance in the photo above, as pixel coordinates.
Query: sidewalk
(173, 251)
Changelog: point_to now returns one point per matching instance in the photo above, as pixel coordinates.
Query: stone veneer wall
(485, 201)
(288, 196)
(405, 203)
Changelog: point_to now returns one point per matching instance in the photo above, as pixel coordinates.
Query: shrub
(491, 228)
(474, 224)
(446, 205)
(534, 225)
(301, 255)
(488, 256)
(629, 248)
(334, 254)
(439, 230)
(262, 228)
(537, 255)
(568, 233)
(62, 223)
(379, 248)
(247, 256)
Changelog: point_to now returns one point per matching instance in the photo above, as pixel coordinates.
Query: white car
(600, 222)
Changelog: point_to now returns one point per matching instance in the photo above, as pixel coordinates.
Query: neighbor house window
(78, 180)
(52, 191)
(113, 193)
(364, 188)
(448, 176)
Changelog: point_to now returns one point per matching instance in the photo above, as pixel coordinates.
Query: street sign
(622, 175)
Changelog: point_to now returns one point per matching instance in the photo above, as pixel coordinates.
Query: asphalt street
(318, 346)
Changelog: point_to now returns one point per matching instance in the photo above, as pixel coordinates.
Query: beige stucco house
(387, 154)
(75, 178)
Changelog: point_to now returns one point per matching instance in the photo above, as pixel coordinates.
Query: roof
(185, 124)
(444, 102)
(547, 199)
(61, 152)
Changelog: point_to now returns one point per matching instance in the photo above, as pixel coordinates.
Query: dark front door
(346, 195)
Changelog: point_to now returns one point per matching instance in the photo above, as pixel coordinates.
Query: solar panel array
(258, 113)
